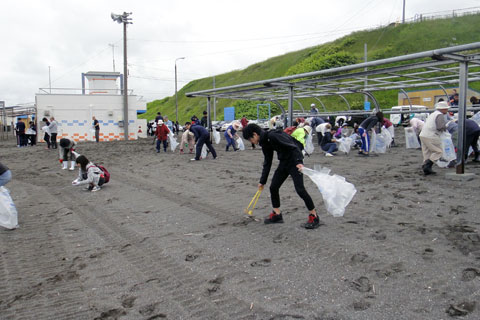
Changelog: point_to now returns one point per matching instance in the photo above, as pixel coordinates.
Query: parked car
(399, 118)
(217, 124)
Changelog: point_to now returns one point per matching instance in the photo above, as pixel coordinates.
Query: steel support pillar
(290, 106)
(462, 104)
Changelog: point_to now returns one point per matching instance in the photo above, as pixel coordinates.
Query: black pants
(97, 135)
(53, 140)
(472, 141)
(46, 137)
(281, 174)
(200, 142)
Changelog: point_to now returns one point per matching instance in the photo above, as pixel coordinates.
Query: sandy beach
(168, 238)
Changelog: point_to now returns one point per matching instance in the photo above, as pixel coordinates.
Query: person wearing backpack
(89, 173)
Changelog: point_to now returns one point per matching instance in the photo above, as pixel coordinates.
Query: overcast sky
(214, 36)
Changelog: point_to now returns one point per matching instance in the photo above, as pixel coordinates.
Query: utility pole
(214, 103)
(403, 16)
(113, 54)
(125, 20)
(49, 80)
(176, 99)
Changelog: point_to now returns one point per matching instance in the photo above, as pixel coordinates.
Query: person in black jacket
(201, 137)
(291, 163)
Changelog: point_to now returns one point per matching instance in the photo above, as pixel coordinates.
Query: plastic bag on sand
(336, 192)
(240, 144)
(203, 155)
(8, 211)
(448, 150)
(388, 137)
(345, 144)
(378, 143)
(309, 144)
(216, 136)
(173, 141)
(411, 139)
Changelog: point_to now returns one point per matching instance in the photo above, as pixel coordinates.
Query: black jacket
(287, 150)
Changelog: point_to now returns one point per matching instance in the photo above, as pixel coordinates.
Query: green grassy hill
(390, 41)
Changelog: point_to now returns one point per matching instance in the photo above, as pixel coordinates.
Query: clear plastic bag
(173, 141)
(345, 144)
(336, 191)
(240, 144)
(448, 150)
(216, 136)
(8, 211)
(411, 139)
(388, 136)
(203, 154)
(309, 144)
(476, 118)
(378, 143)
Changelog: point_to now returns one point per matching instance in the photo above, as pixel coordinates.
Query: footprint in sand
(191, 257)
(469, 274)
(361, 305)
(461, 309)
(359, 257)
(362, 284)
(209, 236)
(279, 238)
(261, 263)
(127, 302)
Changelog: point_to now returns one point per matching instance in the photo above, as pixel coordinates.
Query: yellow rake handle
(253, 202)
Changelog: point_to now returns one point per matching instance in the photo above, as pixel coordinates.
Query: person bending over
(67, 146)
(201, 137)
(291, 163)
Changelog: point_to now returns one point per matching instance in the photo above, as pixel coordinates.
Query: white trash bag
(216, 136)
(203, 154)
(378, 143)
(240, 144)
(448, 150)
(476, 118)
(8, 211)
(388, 136)
(336, 192)
(309, 144)
(411, 139)
(345, 144)
(173, 141)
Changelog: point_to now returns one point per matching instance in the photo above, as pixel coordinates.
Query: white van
(398, 118)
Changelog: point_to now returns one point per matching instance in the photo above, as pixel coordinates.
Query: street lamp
(176, 100)
(123, 18)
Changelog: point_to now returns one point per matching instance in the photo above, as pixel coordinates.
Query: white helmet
(312, 105)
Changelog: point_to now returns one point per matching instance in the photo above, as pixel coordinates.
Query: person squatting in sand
(201, 137)
(291, 163)
(67, 146)
(188, 141)
(88, 173)
(230, 135)
(162, 135)
(430, 136)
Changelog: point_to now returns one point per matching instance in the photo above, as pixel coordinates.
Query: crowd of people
(291, 144)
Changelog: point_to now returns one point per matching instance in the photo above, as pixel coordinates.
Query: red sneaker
(273, 218)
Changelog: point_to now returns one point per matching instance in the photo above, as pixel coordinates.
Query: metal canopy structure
(435, 68)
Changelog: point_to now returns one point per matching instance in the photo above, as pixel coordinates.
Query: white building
(73, 109)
